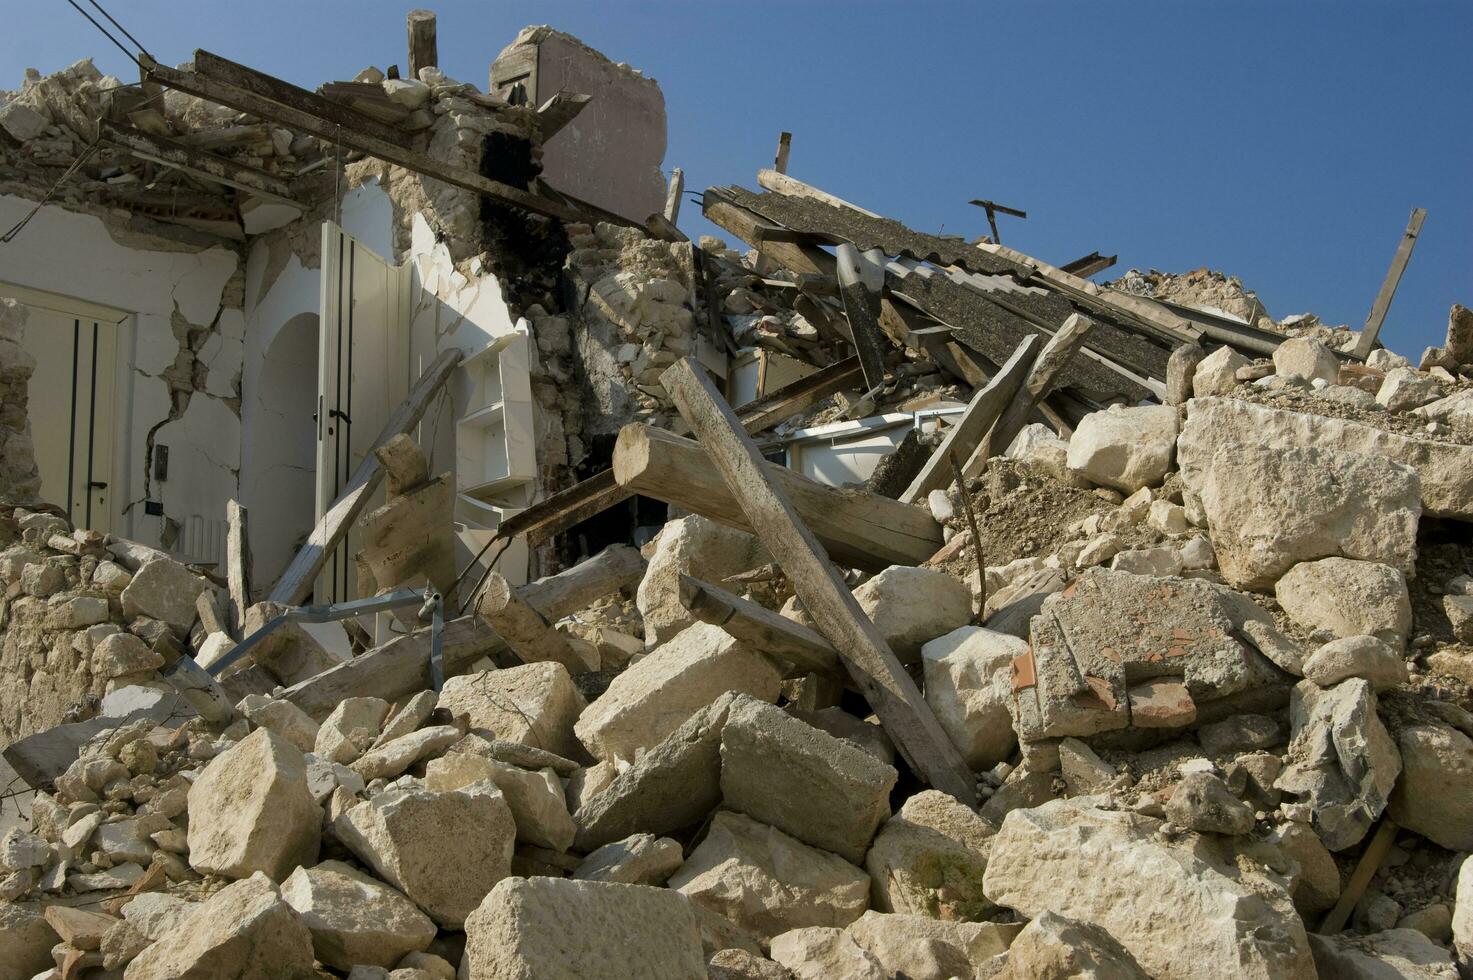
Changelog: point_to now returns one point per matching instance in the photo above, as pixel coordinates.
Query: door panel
(363, 375)
(71, 403)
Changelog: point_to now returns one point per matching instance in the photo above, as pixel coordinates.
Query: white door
(71, 400)
(363, 375)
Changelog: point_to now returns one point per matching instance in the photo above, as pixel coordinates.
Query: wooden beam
(672, 195)
(766, 412)
(531, 637)
(1370, 862)
(780, 183)
(401, 667)
(237, 565)
(423, 49)
(861, 279)
(1087, 265)
(273, 90)
(857, 528)
(969, 431)
(761, 628)
(826, 599)
(799, 258)
(326, 124)
(198, 163)
(565, 508)
(297, 581)
(784, 150)
(1399, 261)
(1045, 370)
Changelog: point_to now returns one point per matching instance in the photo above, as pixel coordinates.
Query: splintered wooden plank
(861, 278)
(1041, 378)
(238, 565)
(760, 627)
(1387, 293)
(754, 231)
(970, 430)
(423, 46)
(198, 163)
(828, 602)
(858, 528)
(296, 582)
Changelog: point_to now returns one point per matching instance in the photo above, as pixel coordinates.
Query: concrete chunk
(534, 704)
(164, 590)
(929, 859)
(355, 918)
(536, 799)
(1124, 448)
(1348, 598)
(911, 606)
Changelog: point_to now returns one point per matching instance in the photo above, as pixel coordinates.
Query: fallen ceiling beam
(1087, 265)
(1387, 293)
(198, 163)
(857, 528)
(775, 518)
(761, 628)
(298, 579)
(326, 124)
(861, 279)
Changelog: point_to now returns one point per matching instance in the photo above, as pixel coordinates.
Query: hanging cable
(51, 191)
(111, 20)
(107, 34)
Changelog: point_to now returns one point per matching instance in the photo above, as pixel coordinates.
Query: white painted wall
(73, 255)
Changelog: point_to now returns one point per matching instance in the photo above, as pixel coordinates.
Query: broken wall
(178, 370)
(19, 480)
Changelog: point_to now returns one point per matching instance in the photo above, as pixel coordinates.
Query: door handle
(97, 485)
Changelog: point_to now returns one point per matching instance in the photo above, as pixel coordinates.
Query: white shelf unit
(495, 452)
(495, 456)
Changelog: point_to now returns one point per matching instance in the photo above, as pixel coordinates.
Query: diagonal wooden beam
(826, 599)
(1387, 293)
(861, 279)
(327, 121)
(760, 627)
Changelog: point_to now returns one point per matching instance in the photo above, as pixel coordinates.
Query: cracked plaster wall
(179, 370)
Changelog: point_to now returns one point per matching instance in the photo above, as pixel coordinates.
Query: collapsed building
(422, 560)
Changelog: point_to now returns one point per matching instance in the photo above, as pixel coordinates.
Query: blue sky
(1285, 143)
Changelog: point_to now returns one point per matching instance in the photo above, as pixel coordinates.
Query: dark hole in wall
(617, 525)
(527, 250)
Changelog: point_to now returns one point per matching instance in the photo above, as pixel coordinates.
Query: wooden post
(826, 599)
(861, 278)
(1051, 360)
(763, 265)
(1399, 262)
(760, 628)
(529, 635)
(237, 565)
(672, 195)
(982, 411)
(423, 51)
(858, 528)
(296, 582)
(1370, 862)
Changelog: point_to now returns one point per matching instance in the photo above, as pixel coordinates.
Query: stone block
(912, 606)
(1348, 598)
(968, 684)
(534, 704)
(1124, 448)
(355, 918)
(929, 860)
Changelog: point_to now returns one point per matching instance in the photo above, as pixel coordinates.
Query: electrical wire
(51, 191)
(106, 33)
(120, 27)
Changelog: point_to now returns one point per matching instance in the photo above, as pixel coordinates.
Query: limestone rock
(1463, 908)
(738, 964)
(929, 860)
(1203, 803)
(534, 704)
(910, 606)
(392, 759)
(1053, 947)
(1342, 761)
(1183, 910)
(923, 948)
(1271, 506)
(554, 927)
(674, 785)
(355, 918)
(1124, 448)
(350, 729)
(1356, 656)
(157, 913)
(1395, 954)
(655, 696)
(968, 681)
(1217, 373)
(1164, 561)
(245, 931)
(165, 590)
(283, 718)
(408, 717)
(1405, 389)
(1348, 598)
(642, 859)
(443, 850)
(1445, 468)
(692, 546)
(1435, 795)
(536, 799)
(825, 953)
(820, 789)
(767, 882)
(25, 941)
(1304, 357)
(251, 810)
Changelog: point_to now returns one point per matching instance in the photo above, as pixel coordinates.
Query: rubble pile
(1147, 654)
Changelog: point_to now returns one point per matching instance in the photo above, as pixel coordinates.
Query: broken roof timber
(327, 124)
(198, 163)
